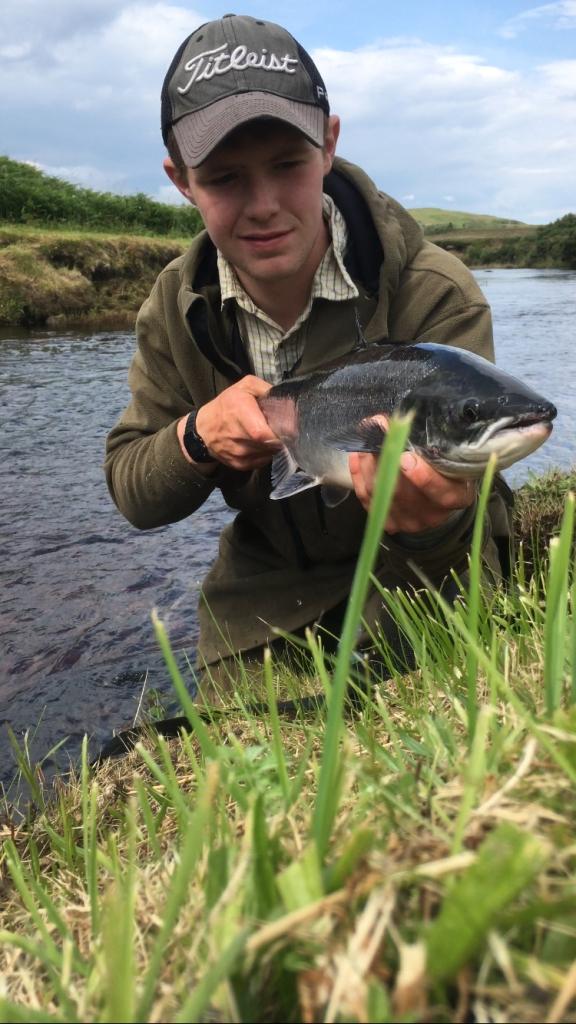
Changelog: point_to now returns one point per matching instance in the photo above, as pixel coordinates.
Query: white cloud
(38, 24)
(434, 122)
(142, 38)
(561, 15)
(561, 78)
(86, 176)
(15, 51)
(115, 55)
(391, 77)
(80, 84)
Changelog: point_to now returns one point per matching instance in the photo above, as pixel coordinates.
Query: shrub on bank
(28, 196)
(552, 245)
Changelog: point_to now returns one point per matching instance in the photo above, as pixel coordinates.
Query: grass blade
(475, 594)
(118, 938)
(89, 835)
(207, 744)
(328, 790)
(191, 847)
(275, 726)
(471, 907)
(197, 1003)
(13, 1013)
(555, 624)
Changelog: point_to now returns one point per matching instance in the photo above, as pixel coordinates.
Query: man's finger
(253, 385)
(446, 492)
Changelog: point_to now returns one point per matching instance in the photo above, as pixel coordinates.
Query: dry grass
(538, 511)
(71, 278)
(333, 952)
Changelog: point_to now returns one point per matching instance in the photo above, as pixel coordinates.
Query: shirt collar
(231, 288)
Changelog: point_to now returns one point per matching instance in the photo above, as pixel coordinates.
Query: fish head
(469, 409)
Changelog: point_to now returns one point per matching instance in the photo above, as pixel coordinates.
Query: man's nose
(261, 198)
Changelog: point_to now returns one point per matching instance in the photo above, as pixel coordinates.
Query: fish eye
(470, 410)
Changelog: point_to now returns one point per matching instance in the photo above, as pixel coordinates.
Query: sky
(458, 105)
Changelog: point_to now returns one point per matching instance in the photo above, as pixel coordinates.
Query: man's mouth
(265, 240)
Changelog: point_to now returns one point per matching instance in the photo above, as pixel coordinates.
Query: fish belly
(325, 464)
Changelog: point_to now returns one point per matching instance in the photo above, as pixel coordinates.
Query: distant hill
(29, 196)
(433, 219)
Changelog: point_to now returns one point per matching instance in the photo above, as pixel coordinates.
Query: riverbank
(331, 867)
(82, 279)
(524, 246)
(492, 249)
(97, 281)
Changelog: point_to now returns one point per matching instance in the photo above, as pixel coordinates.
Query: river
(78, 652)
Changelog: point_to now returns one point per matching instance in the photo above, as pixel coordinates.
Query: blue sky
(457, 105)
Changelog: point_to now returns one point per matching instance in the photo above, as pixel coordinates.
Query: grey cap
(234, 70)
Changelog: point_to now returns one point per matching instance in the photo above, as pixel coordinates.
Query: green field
(433, 218)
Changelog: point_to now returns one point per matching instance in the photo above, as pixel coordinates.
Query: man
(300, 247)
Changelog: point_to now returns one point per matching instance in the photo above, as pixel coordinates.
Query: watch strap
(193, 443)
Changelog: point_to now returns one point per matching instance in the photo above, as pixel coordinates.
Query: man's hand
(234, 428)
(423, 498)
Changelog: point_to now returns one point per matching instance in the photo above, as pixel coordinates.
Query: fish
(464, 409)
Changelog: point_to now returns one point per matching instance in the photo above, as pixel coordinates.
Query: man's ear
(178, 178)
(330, 140)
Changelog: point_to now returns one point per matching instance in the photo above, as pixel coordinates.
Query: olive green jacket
(283, 563)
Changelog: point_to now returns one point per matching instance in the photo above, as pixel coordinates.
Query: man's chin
(270, 270)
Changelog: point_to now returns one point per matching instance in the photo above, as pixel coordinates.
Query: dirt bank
(56, 278)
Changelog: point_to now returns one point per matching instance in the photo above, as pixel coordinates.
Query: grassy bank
(546, 247)
(66, 278)
(486, 247)
(70, 256)
(413, 860)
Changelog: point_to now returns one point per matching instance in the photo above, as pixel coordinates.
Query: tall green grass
(413, 860)
(329, 782)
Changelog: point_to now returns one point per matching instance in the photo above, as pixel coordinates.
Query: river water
(78, 652)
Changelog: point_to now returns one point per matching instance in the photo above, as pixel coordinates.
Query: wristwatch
(193, 443)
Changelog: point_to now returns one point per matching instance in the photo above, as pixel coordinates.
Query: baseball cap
(234, 70)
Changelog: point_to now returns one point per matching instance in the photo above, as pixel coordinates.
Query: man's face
(260, 197)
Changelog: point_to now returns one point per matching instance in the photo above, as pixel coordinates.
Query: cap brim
(199, 133)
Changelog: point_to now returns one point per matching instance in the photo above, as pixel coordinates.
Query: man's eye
(221, 181)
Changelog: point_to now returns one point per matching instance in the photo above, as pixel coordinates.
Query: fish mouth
(538, 418)
(510, 439)
(506, 423)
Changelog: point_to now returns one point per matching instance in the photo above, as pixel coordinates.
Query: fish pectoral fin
(284, 465)
(332, 495)
(287, 477)
(293, 485)
(368, 436)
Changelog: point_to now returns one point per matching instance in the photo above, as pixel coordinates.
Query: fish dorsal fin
(287, 478)
(367, 436)
(332, 495)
